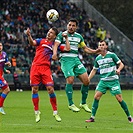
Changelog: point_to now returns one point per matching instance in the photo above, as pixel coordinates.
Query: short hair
(74, 20)
(103, 41)
(56, 30)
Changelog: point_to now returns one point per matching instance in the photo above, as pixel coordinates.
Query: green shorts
(113, 86)
(72, 66)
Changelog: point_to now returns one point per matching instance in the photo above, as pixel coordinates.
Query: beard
(71, 31)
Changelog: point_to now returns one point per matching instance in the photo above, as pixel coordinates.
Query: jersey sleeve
(4, 70)
(6, 58)
(116, 58)
(96, 66)
(38, 40)
(59, 38)
(82, 43)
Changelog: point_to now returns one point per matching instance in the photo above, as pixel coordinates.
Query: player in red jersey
(3, 84)
(40, 70)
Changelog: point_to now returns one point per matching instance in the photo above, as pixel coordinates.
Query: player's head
(1, 47)
(52, 33)
(102, 45)
(55, 30)
(72, 26)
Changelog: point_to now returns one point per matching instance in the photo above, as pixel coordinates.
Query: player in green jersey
(71, 64)
(110, 67)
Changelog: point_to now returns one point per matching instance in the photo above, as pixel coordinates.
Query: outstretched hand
(27, 32)
(118, 72)
(8, 63)
(8, 71)
(64, 35)
(98, 50)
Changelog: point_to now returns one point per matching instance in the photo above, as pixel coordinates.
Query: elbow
(67, 49)
(123, 65)
(88, 51)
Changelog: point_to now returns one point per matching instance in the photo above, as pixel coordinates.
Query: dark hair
(56, 30)
(74, 20)
(103, 41)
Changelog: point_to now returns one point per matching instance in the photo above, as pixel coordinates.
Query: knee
(35, 89)
(119, 97)
(86, 83)
(50, 89)
(70, 80)
(6, 90)
(97, 97)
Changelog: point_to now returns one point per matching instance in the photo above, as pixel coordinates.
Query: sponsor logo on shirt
(2, 60)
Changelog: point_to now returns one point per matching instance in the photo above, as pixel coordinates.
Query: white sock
(36, 111)
(55, 112)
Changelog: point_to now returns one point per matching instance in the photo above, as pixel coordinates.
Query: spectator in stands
(14, 62)
(110, 42)
(100, 33)
(16, 17)
(17, 83)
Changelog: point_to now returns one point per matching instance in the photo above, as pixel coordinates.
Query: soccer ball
(52, 15)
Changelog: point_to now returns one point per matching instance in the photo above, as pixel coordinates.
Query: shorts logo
(80, 66)
(114, 88)
(68, 73)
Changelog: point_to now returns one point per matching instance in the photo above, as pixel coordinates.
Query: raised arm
(30, 39)
(67, 46)
(55, 47)
(63, 48)
(91, 51)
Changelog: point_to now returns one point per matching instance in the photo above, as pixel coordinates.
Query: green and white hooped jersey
(76, 41)
(107, 66)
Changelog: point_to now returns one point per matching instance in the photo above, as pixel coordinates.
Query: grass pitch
(20, 118)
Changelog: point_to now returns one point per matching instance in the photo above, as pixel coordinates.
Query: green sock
(125, 108)
(95, 107)
(84, 91)
(69, 92)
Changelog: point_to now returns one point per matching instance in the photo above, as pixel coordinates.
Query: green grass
(19, 116)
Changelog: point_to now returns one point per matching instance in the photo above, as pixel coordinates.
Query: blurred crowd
(17, 15)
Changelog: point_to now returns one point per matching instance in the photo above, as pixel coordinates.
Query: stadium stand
(17, 15)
